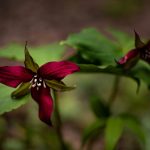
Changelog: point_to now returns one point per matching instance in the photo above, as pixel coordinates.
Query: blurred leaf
(100, 109)
(96, 53)
(123, 40)
(135, 126)
(13, 51)
(93, 47)
(92, 130)
(13, 144)
(113, 132)
(40, 54)
(6, 103)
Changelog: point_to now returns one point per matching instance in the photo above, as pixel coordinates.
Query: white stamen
(39, 84)
(31, 80)
(33, 85)
(44, 84)
(35, 80)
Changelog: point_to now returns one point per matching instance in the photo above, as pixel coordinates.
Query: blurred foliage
(115, 127)
(88, 106)
(93, 48)
(93, 130)
(100, 109)
(41, 54)
(6, 103)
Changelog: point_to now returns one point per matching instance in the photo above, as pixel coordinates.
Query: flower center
(146, 55)
(37, 82)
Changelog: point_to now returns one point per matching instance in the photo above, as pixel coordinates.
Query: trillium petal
(45, 102)
(14, 75)
(57, 70)
(129, 56)
(29, 62)
(22, 90)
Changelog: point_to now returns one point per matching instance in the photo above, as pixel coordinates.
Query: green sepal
(58, 85)
(138, 42)
(29, 62)
(21, 91)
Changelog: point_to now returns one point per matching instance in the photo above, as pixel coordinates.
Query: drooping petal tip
(45, 102)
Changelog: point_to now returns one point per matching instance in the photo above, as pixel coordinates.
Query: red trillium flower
(38, 80)
(141, 51)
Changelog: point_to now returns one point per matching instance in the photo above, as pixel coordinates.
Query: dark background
(44, 21)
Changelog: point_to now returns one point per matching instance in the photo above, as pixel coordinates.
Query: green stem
(58, 122)
(114, 92)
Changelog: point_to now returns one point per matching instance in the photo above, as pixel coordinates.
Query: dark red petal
(57, 70)
(14, 75)
(129, 56)
(45, 102)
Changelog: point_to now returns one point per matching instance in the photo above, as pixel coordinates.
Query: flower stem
(114, 92)
(58, 122)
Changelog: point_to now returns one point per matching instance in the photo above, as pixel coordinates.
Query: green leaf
(13, 51)
(40, 54)
(93, 47)
(123, 40)
(21, 91)
(46, 53)
(6, 103)
(92, 130)
(29, 62)
(58, 85)
(113, 132)
(100, 109)
(136, 127)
